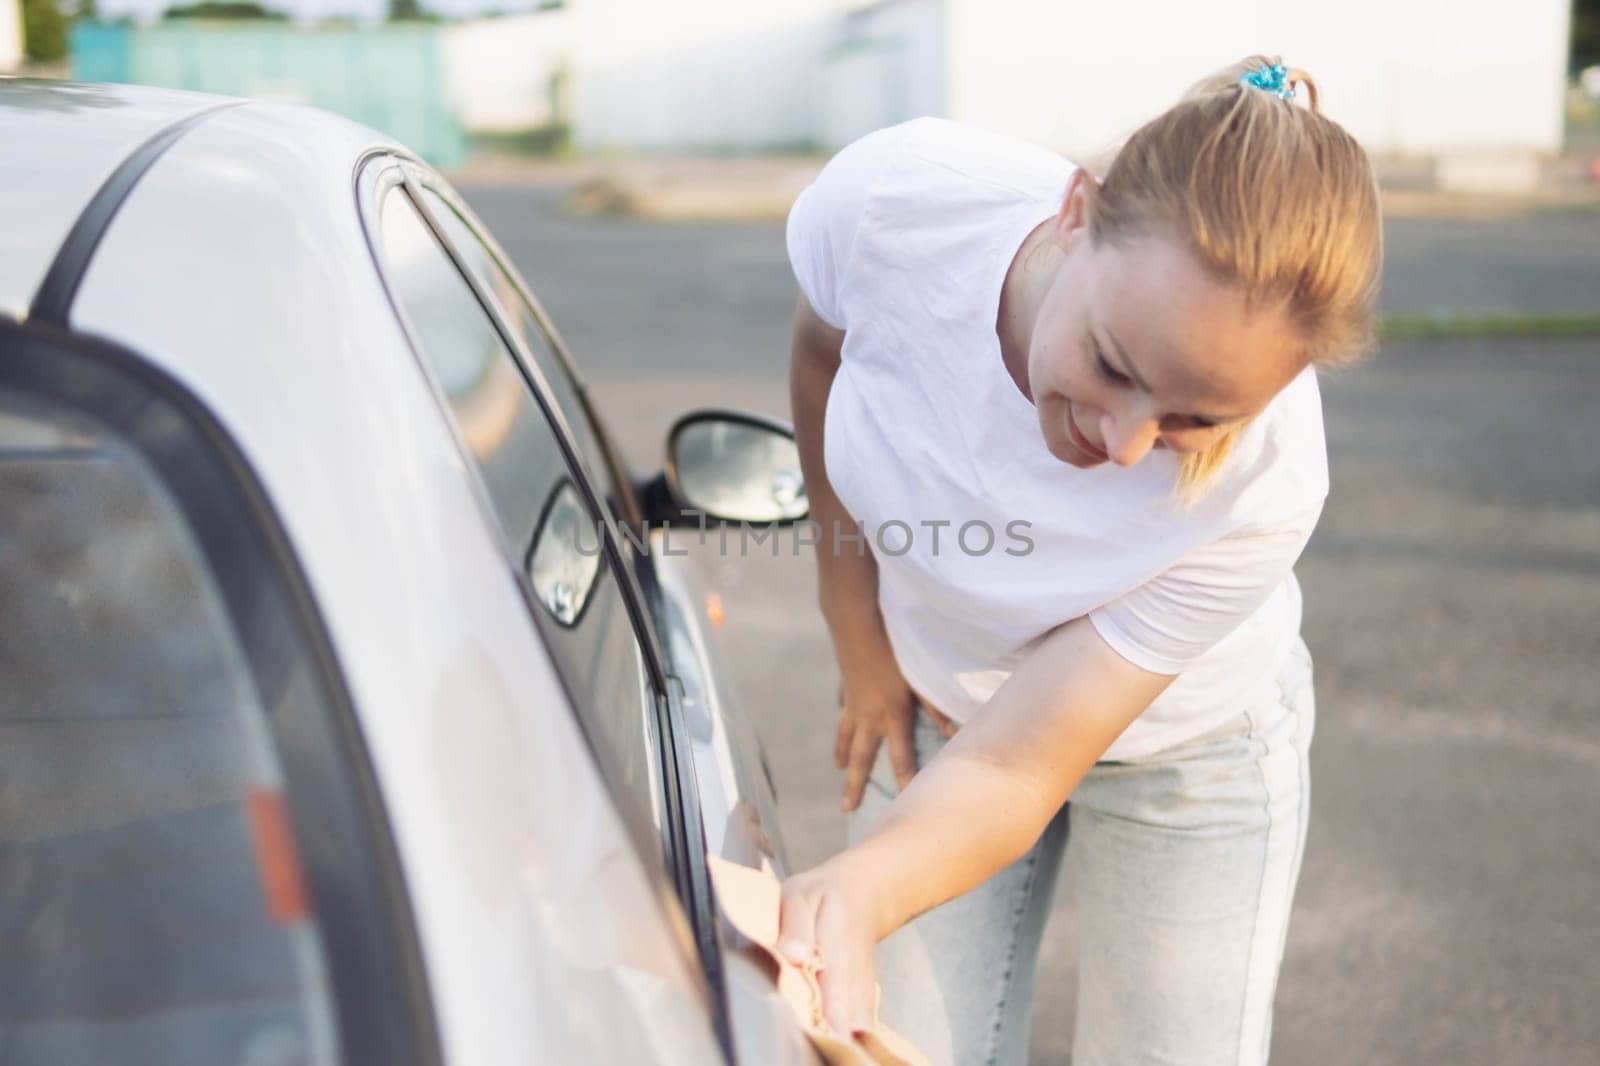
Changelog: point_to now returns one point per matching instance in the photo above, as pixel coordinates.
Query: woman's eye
(1187, 424)
(1108, 371)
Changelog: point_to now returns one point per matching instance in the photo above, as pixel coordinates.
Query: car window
(579, 604)
(152, 902)
(530, 334)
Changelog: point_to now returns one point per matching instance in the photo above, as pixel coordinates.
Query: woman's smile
(1080, 441)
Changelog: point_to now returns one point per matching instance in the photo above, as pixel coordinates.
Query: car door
(715, 791)
(561, 543)
(737, 802)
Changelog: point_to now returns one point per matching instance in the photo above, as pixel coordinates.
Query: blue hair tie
(1272, 78)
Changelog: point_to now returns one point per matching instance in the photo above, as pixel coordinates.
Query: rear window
(155, 901)
(151, 897)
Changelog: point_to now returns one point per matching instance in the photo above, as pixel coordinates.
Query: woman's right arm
(875, 703)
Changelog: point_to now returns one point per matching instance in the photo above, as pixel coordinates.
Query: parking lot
(1449, 907)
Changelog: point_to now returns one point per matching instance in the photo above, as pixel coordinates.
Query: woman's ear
(1072, 221)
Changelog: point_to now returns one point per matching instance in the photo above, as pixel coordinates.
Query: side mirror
(735, 467)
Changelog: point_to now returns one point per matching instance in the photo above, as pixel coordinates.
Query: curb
(762, 189)
(1453, 325)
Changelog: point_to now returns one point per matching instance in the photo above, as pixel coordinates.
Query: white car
(347, 711)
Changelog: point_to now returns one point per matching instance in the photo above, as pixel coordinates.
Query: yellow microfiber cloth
(750, 901)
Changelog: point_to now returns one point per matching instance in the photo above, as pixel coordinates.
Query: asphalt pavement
(1449, 906)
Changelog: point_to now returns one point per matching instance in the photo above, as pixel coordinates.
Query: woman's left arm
(974, 809)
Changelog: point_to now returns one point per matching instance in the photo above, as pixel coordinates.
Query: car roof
(62, 141)
(116, 200)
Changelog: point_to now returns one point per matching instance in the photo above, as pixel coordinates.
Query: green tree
(44, 31)
(1585, 34)
(225, 9)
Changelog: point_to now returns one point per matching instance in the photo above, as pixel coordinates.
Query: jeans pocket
(881, 779)
(926, 740)
(929, 741)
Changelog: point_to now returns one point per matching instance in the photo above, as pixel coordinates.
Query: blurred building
(391, 77)
(10, 35)
(1466, 82)
(508, 75)
(429, 84)
(699, 74)
(1462, 79)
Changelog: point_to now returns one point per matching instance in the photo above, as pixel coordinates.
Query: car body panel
(58, 143)
(737, 803)
(736, 795)
(540, 926)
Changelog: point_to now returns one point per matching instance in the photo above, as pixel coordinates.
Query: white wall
(684, 74)
(498, 71)
(885, 65)
(10, 35)
(1414, 77)
(1407, 77)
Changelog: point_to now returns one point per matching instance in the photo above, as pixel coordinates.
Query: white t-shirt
(904, 241)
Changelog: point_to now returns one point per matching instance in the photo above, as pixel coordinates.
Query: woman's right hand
(877, 705)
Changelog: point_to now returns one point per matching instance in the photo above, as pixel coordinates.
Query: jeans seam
(1304, 809)
(1266, 854)
(1025, 898)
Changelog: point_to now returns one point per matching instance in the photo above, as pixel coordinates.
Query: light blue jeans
(1183, 866)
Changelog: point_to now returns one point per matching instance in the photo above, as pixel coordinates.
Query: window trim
(361, 902)
(616, 469)
(533, 375)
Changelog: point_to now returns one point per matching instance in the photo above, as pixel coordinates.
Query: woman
(1079, 426)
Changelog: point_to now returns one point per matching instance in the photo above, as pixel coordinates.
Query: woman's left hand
(827, 919)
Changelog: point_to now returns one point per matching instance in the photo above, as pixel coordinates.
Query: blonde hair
(1276, 198)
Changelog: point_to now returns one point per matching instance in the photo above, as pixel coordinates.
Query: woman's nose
(1129, 437)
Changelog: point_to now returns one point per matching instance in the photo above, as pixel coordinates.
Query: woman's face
(1136, 347)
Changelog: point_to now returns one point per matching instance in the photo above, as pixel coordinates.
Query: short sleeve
(825, 219)
(1171, 620)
